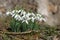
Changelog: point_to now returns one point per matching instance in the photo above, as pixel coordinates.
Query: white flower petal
(13, 11)
(8, 13)
(19, 11)
(26, 21)
(32, 19)
(32, 14)
(13, 15)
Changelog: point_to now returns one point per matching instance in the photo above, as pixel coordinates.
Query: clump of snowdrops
(24, 21)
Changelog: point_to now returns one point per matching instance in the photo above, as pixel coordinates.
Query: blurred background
(46, 32)
(7, 5)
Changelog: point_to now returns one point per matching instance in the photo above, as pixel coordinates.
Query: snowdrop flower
(23, 13)
(20, 18)
(17, 17)
(32, 19)
(16, 11)
(13, 15)
(19, 11)
(25, 21)
(26, 18)
(8, 13)
(42, 19)
(38, 15)
(13, 11)
(32, 14)
(37, 18)
(28, 14)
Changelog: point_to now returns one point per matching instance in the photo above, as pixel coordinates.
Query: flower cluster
(24, 16)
